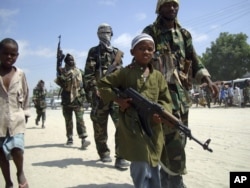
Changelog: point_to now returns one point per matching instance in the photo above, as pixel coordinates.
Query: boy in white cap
(143, 151)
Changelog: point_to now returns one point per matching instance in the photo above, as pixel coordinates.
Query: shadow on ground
(108, 185)
(63, 163)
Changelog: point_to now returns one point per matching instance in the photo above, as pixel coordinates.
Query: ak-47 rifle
(111, 68)
(146, 109)
(116, 63)
(60, 57)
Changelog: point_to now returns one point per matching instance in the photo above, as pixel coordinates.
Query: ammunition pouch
(185, 74)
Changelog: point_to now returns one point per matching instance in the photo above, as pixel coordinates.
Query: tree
(229, 57)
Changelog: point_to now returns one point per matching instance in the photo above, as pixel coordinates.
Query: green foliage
(229, 57)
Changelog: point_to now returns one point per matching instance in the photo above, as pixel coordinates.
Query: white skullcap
(139, 38)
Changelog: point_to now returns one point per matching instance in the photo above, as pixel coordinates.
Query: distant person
(246, 92)
(72, 95)
(143, 151)
(226, 95)
(237, 94)
(14, 101)
(176, 58)
(99, 61)
(208, 95)
(39, 100)
(222, 95)
(230, 94)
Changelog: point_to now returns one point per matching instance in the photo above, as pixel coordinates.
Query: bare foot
(22, 181)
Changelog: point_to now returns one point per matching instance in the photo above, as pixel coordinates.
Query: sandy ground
(50, 164)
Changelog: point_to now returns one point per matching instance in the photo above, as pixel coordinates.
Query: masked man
(101, 61)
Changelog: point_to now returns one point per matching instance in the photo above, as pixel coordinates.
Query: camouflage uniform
(176, 58)
(39, 99)
(98, 62)
(208, 95)
(72, 94)
(246, 92)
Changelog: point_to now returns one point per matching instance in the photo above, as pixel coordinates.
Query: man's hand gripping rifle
(60, 57)
(146, 109)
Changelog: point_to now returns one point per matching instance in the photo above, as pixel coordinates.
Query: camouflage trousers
(99, 116)
(174, 157)
(41, 113)
(80, 124)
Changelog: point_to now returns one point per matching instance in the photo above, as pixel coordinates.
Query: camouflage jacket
(97, 63)
(176, 45)
(39, 97)
(176, 58)
(72, 91)
(246, 91)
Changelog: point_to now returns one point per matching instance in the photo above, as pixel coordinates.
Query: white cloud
(5, 13)
(23, 45)
(198, 37)
(6, 23)
(108, 2)
(123, 41)
(25, 51)
(141, 16)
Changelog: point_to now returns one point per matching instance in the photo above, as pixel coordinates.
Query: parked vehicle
(55, 102)
(240, 83)
(48, 102)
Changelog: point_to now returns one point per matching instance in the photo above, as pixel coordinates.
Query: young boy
(143, 151)
(14, 112)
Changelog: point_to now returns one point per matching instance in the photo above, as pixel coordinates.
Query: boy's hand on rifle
(157, 118)
(123, 103)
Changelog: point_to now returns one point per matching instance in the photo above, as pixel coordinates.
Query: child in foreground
(13, 114)
(143, 151)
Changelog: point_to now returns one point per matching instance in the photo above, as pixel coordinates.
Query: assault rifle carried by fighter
(60, 57)
(146, 109)
(116, 64)
(111, 68)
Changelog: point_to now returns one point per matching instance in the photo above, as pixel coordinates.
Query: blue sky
(36, 25)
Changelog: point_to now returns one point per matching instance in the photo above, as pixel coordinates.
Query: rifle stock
(116, 63)
(147, 108)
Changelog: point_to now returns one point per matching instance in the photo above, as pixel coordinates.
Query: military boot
(37, 122)
(85, 143)
(69, 141)
(121, 164)
(176, 182)
(43, 126)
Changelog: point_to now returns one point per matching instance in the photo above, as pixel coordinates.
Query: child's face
(8, 55)
(143, 52)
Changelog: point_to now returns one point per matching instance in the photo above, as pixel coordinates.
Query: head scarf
(139, 38)
(161, 2)
(104, 34)
(67, 65)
